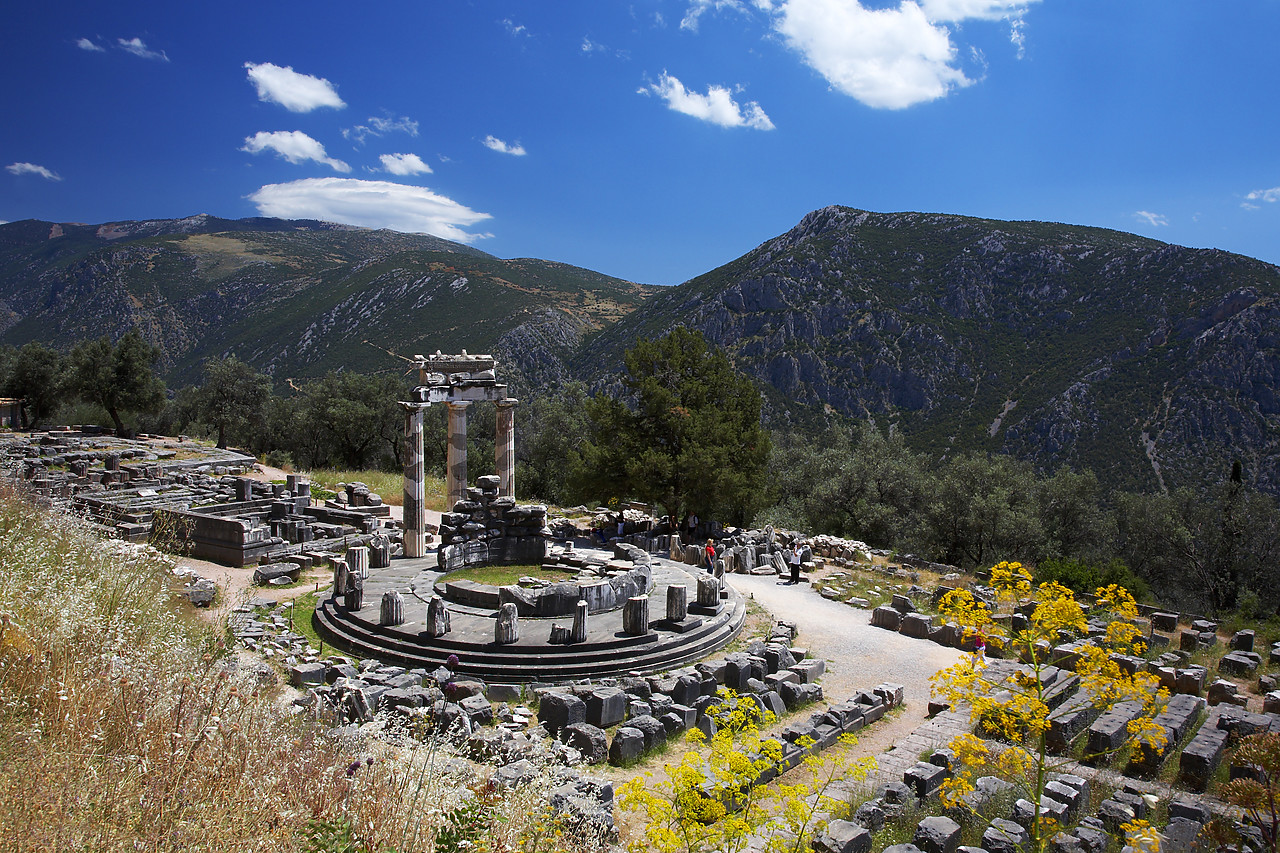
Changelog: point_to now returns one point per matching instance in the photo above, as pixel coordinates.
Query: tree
(983, 505)
(353, 420)
(692, 442)
(1016, 710)
(120, 378)
(36, 375)
(550, 429)
(233, 400)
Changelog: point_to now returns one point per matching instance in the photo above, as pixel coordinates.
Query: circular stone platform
(606, 651)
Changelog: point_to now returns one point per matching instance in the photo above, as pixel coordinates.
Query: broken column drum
(392, 611)
(507, 628)
(677, 602)
(578, 634)
(358, 561)
(708, 590)
(437, 617)
(380, 551)
(635, 616)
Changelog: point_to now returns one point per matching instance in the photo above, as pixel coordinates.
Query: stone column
(579, 631)
(457, 459)
(635, 616)
(507, 628)
(708, 591)
(504, 447)
(437, 617)
(358, 561)
(415, 491)
(391, 611)
(677, 603)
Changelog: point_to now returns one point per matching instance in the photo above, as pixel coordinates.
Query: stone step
(523, 664)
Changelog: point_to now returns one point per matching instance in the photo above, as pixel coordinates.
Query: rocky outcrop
(1064, 345)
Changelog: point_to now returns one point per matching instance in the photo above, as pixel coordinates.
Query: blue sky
(651, 140)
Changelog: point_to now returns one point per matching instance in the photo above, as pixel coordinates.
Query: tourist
(621, 521)
(710, 552)
(979, 649)
(692, 523)
(795, 564)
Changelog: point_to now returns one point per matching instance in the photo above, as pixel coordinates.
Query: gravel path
(858, 656)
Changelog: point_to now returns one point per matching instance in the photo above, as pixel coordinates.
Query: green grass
(388, 484)
(304, 609)
(507, 575)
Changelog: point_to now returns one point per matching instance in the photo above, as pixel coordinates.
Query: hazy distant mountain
(1062, 344)
(295, 298)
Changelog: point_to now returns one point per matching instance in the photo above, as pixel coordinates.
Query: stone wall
(485, 528)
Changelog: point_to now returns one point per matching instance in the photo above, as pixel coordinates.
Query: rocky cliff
(1150, 363)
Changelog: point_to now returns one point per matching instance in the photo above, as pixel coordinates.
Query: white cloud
(139, 48)
(1272, 195)
(717, 106)
(589, 46)
(380, 126)
(373, 204)
(988, 10)
(493, 143)
(299, 93)
(514, 29)
(885, 58)
(697, 8)
(294, 146)
(89, 44)
(1155, 220)
(404, 164)
(32, 169)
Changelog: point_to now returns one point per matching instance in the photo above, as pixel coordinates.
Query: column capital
(458, 404)
(507, 403)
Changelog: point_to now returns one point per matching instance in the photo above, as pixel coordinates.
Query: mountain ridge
(1153, 364)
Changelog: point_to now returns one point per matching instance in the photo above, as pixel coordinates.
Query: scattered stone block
(1004, 836)
(558, 710)
(842, 836)
(1201, 758)
(1167, 622)
(606, 707)
(627, 745)
(924, 779)
(937, 834)
(589, 740)
(1222, 691)
(887, 618)
(1242, 641)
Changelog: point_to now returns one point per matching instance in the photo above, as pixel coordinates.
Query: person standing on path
(710, 552)
(795, 564)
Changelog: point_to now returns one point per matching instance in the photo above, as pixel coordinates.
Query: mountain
(1152, 364)
(296, 297)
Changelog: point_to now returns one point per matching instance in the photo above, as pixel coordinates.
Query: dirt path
(858, 656)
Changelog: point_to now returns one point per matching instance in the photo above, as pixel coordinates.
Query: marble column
(415, 475)
(457, 459)
(505, 447)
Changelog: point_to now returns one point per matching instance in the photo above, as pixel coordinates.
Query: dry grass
(123, 724)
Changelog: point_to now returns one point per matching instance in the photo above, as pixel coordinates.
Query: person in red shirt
(710, 551)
